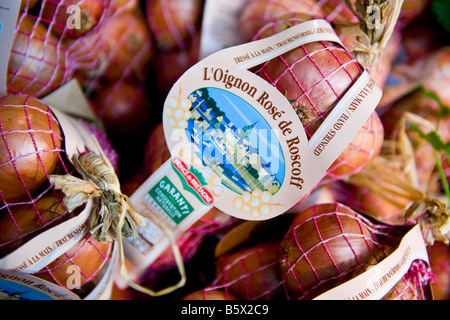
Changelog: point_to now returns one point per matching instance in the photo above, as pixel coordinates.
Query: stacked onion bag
(105, 45)
(305, 255)
(33, 149)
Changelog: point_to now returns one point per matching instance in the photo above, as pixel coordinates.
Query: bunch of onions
(329, 244)
(252, 273)
(37, 63)
(314, 77)
(257, 13)
(60, 18)
(31, 147)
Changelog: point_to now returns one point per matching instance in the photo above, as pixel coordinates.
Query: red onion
(31, 145)
(252, 273)
(86, 259)
(314, 77)
(256, 13)
(37, 62)
(439, 255)
(126, 44)
(329, 244)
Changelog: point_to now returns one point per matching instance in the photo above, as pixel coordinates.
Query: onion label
(50, 244)
(9, 10)
(242, 141)
(19, 286)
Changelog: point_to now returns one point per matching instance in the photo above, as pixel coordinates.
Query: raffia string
(377, 23)
(431, 213)
(116, 217)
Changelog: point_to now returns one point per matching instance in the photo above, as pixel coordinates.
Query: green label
(171, 200)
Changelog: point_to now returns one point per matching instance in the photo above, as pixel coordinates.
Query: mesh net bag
(257, 13)
(115, 80)
(33, 148)
(252, 273)
(325, 245)
(87, 258)
(105, 45)
(42, 55)
(314, 77)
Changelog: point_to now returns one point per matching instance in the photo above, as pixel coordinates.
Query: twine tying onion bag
(115, 217)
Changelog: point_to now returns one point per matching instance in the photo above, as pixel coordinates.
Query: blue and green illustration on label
(235, 141)
(171, 200)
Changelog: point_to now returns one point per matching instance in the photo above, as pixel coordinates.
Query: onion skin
(85, 259)
(257, 13)
(37, 61)
(253, 273)
(19, 160)
(361, 150)
(174, 22)
(23, 222)
(217, 294)
(439, 255)
(325, 246)
(55, 12)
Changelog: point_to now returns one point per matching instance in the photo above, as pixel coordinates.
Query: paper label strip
(47, 246)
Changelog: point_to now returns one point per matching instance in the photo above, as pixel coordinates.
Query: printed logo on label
(171, 200)
(191, 182)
